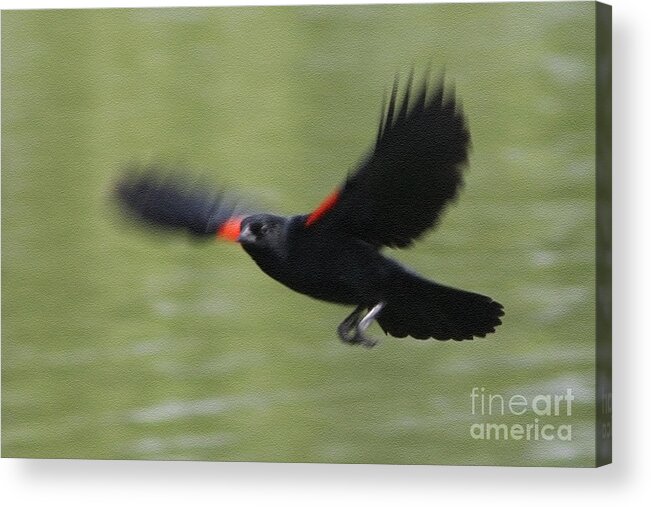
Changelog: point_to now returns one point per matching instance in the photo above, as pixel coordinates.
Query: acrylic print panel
(121, 341)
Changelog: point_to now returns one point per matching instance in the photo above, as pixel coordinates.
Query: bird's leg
(370, 317)
(351, 330)
(348, 328)
(360, 336)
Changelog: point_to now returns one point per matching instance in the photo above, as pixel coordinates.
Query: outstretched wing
(170, 203)
(413, 171)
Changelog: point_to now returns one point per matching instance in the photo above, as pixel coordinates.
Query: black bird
(334, 253)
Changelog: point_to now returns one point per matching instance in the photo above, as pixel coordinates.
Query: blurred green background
(119, 344)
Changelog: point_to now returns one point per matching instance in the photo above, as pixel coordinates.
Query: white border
(111, 483)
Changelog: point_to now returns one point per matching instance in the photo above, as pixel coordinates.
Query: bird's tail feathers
(424, 309)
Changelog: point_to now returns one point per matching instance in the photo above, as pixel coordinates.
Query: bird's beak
(246, 236)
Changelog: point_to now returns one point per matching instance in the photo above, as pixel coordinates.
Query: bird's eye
(264, 229)
(258, 229)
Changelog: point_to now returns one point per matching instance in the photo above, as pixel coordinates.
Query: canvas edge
(603, 161)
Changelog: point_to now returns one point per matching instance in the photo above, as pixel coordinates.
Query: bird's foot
(353, 336)
(351, 330)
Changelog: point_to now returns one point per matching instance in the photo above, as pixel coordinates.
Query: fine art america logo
(537, 416)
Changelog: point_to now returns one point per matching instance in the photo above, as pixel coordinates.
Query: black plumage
(414, 170)
(169, 202)
(334, 253)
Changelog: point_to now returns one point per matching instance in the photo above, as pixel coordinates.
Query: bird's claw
(351, 330)
(365, 341)
(353, 336)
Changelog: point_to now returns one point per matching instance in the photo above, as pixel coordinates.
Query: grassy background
(117, 344)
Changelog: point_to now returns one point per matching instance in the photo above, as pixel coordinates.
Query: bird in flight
(334, 253)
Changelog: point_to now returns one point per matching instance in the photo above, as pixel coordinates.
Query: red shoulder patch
(327, 204)
(230, 230)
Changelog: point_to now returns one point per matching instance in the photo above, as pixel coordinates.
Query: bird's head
(263, 232)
